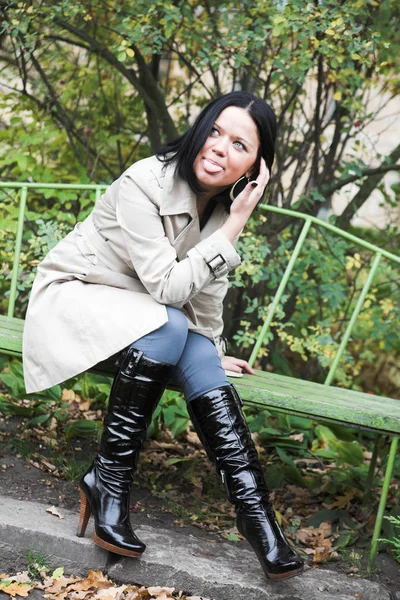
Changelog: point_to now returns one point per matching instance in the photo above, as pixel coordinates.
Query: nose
(220, 146)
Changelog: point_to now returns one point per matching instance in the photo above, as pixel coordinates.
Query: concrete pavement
(217, 571)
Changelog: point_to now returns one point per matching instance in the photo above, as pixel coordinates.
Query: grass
(38, 563)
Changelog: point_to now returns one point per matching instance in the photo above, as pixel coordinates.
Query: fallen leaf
(161, 593)
(193, 439)
(58, 573)
(95, 579)
(55, 585)
(68, 395)
(53, 511)
(48, 465)
(341, 502)
(21, 577)
(15, 589)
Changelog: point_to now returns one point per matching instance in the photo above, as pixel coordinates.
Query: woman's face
(229, 152)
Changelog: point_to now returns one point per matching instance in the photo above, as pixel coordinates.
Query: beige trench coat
(107, 283)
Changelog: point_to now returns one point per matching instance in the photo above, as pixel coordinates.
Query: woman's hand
(230, 363)
(245, 203)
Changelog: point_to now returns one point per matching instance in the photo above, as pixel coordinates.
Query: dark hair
(185, 148)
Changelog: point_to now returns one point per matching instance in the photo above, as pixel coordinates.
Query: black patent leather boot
(220, 424)
(105, 488)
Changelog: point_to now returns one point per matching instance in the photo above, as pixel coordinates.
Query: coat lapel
(178, 204)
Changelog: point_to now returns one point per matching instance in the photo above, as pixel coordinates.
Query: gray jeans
(198, 367)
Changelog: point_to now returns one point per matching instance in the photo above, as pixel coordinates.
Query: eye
(214, 131)
(239, 145)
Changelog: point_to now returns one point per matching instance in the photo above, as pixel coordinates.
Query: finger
(244, 366)
(248, 368)
(264, 174)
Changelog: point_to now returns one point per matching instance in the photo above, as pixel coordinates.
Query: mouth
(211, 166)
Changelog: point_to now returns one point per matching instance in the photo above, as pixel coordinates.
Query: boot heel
(84, 514)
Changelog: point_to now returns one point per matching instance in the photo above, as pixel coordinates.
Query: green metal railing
(24, 187)
(308, 221)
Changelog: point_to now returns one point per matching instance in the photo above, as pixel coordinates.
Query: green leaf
(325, 434)
(58, 573)
(39, 420)
(345, 538)
(285, 457)
(179, 426)
(350, 452)
(232, 537)
(324, 453)
(342, 433)
(274, 477)
(300, 423)
(52, 394)
(333, 516)
(320, 516)
(175, 460)
(82, 427)
(293, 475)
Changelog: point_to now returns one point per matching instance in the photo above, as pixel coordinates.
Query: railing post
(281, 289)
(382, 502)
(18, 242)
(353, 319)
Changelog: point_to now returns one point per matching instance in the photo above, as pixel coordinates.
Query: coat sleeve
(154, 259)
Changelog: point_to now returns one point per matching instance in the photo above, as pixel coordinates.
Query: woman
(142, 280)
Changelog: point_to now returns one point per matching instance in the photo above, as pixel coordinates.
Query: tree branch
(145, 84)
(381, 170)
(367, 187)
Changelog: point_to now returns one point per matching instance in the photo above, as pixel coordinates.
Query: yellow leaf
(58, 573)
(342, 501)
(355, 56)
(330, 31)
(337, 96)
(130, 52)
(314, 42)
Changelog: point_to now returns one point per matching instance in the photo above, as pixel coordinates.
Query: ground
(175, 487)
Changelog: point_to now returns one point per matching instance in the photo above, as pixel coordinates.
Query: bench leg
(371, 470)
(382, 502)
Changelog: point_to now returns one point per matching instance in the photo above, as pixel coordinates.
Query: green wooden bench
(265, 390)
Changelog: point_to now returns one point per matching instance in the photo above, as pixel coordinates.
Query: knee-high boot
(220, 424)
(105, 488)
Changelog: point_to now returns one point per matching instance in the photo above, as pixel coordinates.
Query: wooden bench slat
(316, 391)
(11, 335)
(11, 324)
(308, 399)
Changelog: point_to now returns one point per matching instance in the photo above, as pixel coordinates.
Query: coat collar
(177, 197)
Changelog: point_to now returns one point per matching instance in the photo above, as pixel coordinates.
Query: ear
(250, 172)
